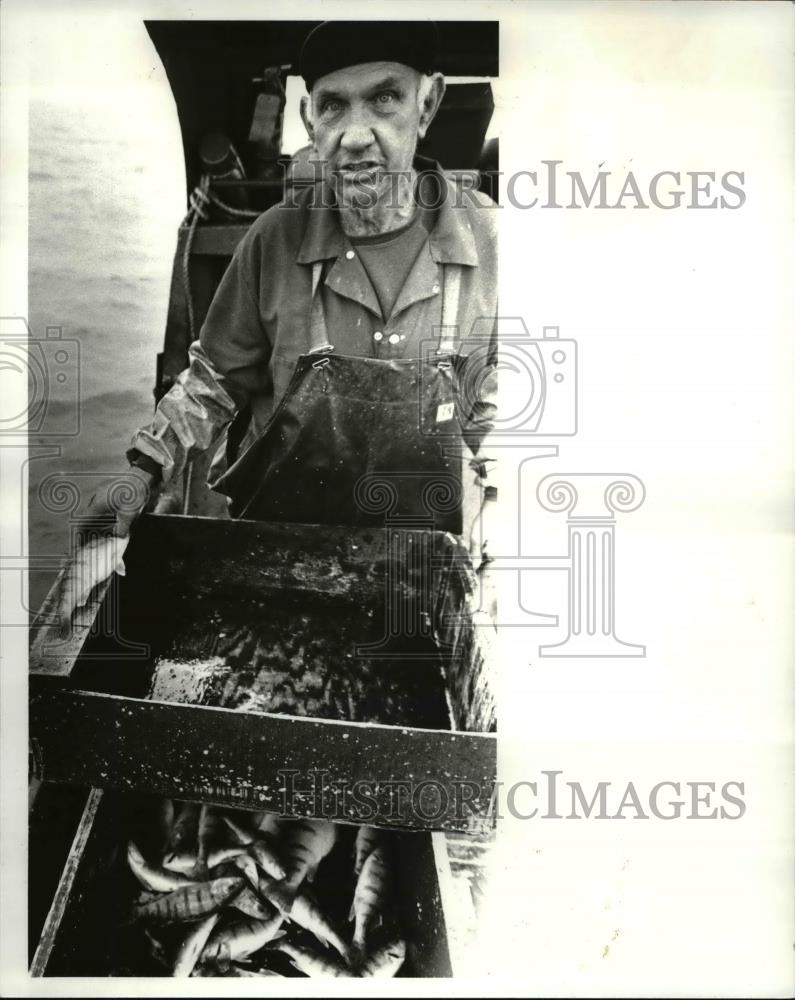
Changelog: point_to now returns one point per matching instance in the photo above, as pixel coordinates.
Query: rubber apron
(356, 440)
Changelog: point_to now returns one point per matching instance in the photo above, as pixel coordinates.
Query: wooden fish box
(84, 933)
(392, 613)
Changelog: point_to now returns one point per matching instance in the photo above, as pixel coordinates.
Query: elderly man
(337, 328)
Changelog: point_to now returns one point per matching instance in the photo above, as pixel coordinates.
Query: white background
(684, 323)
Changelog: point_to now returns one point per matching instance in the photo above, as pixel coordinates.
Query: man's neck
(393, 211)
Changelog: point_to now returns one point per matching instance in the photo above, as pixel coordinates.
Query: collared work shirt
(258, 323)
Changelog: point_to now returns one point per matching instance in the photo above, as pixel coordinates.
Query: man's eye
(385, 98)
(330, 107)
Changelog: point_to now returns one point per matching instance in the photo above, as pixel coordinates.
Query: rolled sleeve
(189, 419)
(225, 366)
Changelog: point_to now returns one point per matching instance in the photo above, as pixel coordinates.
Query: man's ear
(306, 117)
(434, 88)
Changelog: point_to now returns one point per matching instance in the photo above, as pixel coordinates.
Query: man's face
(366, 123)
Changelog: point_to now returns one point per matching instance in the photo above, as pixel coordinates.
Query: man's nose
(358, 134)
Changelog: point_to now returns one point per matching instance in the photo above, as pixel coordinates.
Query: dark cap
(335, 45)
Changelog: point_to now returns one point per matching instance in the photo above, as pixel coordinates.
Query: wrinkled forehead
(362, 79)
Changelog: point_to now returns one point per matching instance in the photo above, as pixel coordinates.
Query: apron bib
(354, 440)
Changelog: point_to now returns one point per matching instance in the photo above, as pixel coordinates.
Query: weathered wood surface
(224, 559)
(64, 894)
(421, 861)
(51, 653)
(210, 556)
(382, 775)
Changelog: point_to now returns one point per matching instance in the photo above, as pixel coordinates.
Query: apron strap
(318, 335)
(451, 289)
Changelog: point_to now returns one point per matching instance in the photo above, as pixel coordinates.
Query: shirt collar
(451, 241)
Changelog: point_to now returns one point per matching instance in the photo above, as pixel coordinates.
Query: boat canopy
(219, 69)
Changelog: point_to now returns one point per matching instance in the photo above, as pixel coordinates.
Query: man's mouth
(359, 169)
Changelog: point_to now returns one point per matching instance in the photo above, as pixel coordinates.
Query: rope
(240, 213)
(197, 210)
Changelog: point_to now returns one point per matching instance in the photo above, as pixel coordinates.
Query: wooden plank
(457, 914)
(381, 775)
(51, 654)
(64, 891)
(422, 906)
(218, 240)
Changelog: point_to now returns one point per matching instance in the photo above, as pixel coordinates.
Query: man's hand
(481, 536)
(102, 539)
(483, 530)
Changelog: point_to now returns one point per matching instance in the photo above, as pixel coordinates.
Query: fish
(190, 902)
(93, 563)
(186, 862)
(248, 902)
(302, 909)
(185, 829)
(265, 856)
(240, 830)
(268, 823)
(367, 839)
(241, 939)
(179, 861)
(207, 831)
(385, 961)
(152, 878)
(311, 963)
(370, 895)
(193, 945)
(248, 866)
(243, 971)
(146, 895)
(306, 842)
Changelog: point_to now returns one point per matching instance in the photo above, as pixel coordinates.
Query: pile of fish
(234, 893)
(294, 663)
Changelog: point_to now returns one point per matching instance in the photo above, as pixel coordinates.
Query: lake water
(106, 194)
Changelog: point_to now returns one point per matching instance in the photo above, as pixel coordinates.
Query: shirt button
(435, 289)
(350, 255)
(378, 335)
(393, 338)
